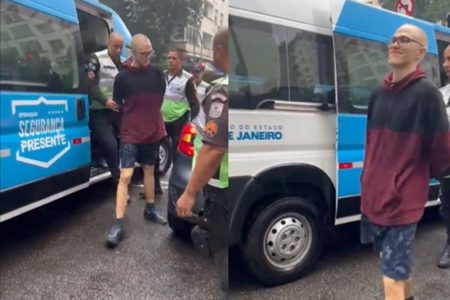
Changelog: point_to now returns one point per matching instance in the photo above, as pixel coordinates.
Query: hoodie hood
(397, 87)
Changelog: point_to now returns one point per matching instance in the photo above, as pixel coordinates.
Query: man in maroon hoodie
(407, 143)
(139, 90)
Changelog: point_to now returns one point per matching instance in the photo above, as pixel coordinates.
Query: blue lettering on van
(41, 135)
(256, 136)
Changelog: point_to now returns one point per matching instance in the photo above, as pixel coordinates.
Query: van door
(44, 118)
(360, 35)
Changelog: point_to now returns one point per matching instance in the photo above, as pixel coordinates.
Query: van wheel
(180, 228)
(284, 242)
(165, 156)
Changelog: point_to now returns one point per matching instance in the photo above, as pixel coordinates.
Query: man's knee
(125, 176)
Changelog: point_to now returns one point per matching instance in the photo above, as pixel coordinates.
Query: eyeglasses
(403, 41)
(146, 53)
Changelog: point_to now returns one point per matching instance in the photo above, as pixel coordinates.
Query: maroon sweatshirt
(140, 92)
(407, 142)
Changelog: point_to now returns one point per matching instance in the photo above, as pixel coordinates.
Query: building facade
(197, 40)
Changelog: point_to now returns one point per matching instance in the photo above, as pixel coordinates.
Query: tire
(270, 259)
(165, 156)
(180, 228)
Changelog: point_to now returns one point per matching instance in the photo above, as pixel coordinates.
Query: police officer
(211, 167)
(104, 118)
(444, 258)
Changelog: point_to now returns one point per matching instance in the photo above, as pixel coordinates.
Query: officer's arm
(191, 95)
(215, 145)
(94, 91)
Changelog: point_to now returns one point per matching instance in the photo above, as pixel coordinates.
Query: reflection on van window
(257, 63)
(37, 52)
(270, 62)
(311, 70)
(361, 66)
(94, 32)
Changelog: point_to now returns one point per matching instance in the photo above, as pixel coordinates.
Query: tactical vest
(175, 103)
(106, 74)
(220, 178)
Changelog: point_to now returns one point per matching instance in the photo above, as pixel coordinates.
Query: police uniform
(104, 122)
(215, 133)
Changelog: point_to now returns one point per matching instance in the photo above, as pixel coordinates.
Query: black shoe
(115, 235)
(153, 215)
(444, 259)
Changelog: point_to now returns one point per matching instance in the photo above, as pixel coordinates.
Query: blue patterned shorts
(394, 245)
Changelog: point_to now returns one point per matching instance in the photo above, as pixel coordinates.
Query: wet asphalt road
(58, 252)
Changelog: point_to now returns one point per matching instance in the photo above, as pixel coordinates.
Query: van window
(442, 45)
(94, 32)
(311, 67)
(271, 62)
(37, 52)
(361, 66)
(258, 69)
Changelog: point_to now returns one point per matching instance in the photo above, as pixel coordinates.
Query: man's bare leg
(122, 191)
(394, 289)
(408, 289)
(115, 235)
(150, 212)
(149, 188)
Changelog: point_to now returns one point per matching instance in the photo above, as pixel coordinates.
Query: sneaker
(137, 183)
(153, 215)
(115, 235)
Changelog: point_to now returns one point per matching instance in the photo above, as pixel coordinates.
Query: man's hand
(185, 204)
(91, 75)
(111, 104)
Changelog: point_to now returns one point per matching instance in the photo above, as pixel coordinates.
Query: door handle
(81, 109)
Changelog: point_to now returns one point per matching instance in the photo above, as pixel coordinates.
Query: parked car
(179, 176)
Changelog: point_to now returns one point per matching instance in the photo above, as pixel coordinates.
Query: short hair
(139, 37)
(179, 51)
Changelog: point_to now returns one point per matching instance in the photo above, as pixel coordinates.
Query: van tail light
(186, 141)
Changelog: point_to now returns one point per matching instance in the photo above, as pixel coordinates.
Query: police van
(301, 73)
(45, 145)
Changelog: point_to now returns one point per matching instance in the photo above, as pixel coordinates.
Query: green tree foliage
(430, 10)
(157, 19)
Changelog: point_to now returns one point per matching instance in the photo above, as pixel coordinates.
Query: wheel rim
(287, 241)
(162, 158)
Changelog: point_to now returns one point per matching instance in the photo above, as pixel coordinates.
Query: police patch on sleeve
(217, 105)
(216, 110)
(210, 129)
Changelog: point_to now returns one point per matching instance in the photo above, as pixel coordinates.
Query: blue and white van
(301, 73)
(45, 145)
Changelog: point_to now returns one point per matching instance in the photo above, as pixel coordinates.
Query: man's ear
(422, 54)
